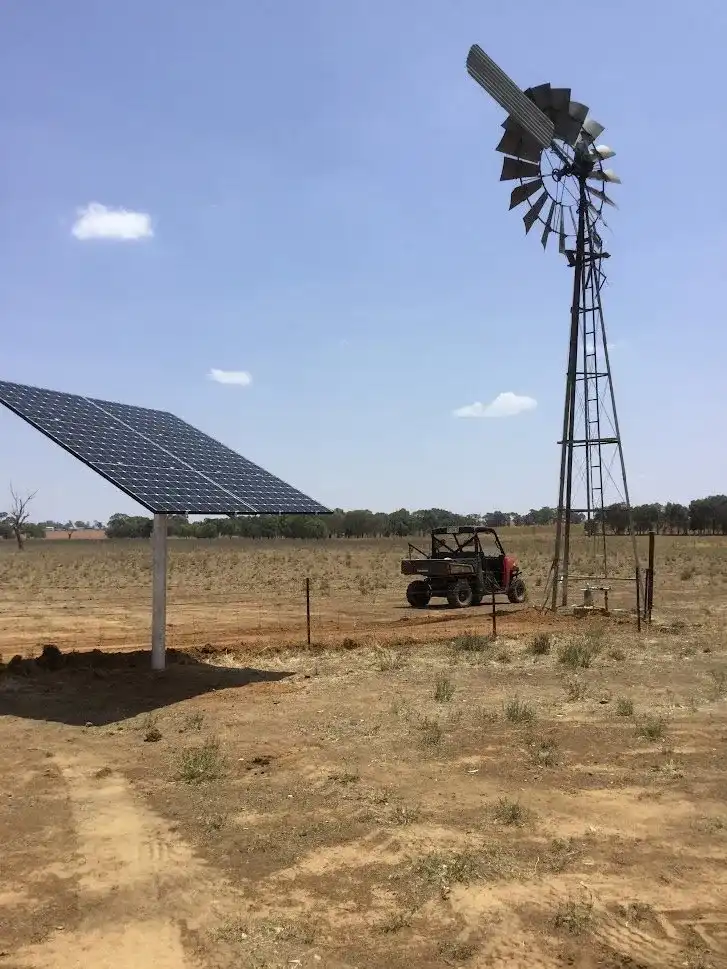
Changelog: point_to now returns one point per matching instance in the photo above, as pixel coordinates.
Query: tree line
(701, 516)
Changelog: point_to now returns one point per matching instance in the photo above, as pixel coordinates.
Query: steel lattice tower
(592, 467)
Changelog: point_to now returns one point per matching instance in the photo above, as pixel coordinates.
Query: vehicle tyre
(460, 595)
(418, 594)
(517, 591)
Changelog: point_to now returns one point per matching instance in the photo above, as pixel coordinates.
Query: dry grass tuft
(579, 652)
(430, 732)
(544, 752)
(719, 683)
(575, 918)
(473, 643)
(201, 762)
(456, 953)
(443, 690)
(653, 728)
(540, 644)
(510, 812)
(518, 711)
(624, 706)
(575, 688)
(152, 733)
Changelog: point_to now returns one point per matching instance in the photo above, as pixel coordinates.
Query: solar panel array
(159, 460)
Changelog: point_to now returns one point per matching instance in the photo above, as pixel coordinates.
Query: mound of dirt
(53, 660)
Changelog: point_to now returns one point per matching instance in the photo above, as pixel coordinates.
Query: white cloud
(96, 221)
(239, 377)
(506, 404)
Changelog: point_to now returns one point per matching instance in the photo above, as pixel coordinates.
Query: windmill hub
(581, 166)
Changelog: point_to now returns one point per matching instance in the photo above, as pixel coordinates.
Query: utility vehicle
(466, 563)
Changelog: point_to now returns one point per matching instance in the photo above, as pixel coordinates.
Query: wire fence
(286, 619)
(86, 595)
(103, 621)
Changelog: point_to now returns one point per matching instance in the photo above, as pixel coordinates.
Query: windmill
(551, 151)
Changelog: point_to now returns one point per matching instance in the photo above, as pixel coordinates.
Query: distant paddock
(83, 533)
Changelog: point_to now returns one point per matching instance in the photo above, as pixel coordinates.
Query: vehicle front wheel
(517, 591)
(460, 595)
(418, 594)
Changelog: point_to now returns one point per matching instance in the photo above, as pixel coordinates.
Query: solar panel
(154, 457)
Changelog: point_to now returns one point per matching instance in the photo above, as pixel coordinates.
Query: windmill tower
(550, 150)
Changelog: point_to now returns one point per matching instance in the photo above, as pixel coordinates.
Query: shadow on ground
(100, 688)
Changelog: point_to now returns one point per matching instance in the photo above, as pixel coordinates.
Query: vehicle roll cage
(461, 538)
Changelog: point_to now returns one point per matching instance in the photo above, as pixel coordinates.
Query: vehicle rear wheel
(517, 591)
(418, 594)
(460, 595)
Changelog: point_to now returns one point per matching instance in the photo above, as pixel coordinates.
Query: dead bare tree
(19, 514)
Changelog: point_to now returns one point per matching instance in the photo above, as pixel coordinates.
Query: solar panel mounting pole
(159, 593)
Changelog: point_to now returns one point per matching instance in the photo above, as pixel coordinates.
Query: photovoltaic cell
(159, 460)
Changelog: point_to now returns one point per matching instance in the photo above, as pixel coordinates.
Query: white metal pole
(159, 593)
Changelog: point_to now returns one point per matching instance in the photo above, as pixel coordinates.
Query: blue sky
(326, 215)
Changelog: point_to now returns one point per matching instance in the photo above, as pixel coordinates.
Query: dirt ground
(404, 793)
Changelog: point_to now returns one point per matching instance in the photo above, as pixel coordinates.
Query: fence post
(650, 584)
(307, 607)
(494, 618)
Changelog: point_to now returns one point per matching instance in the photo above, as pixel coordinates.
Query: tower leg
(622, 462)
(561, 557)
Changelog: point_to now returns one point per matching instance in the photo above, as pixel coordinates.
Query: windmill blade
(566, 128)
(559, 99)
(592, 129)
(541, 96)
(597, 240)
(603, 152)
(578, 111)
(530, 216)
(602, 195)
(607, 175)
(561, 233)
(512, 168)
(523, 192)
(548, 223)
(509, 96)
(518, 143)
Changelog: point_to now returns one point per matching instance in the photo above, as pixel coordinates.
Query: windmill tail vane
(552, 149)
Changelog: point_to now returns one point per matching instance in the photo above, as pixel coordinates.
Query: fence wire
(85, 595)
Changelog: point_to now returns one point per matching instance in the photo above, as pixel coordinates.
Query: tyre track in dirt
(141, 890)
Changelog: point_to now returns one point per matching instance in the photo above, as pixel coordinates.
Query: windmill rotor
(549, 147)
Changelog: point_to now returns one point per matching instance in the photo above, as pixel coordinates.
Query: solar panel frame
(146, 462)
